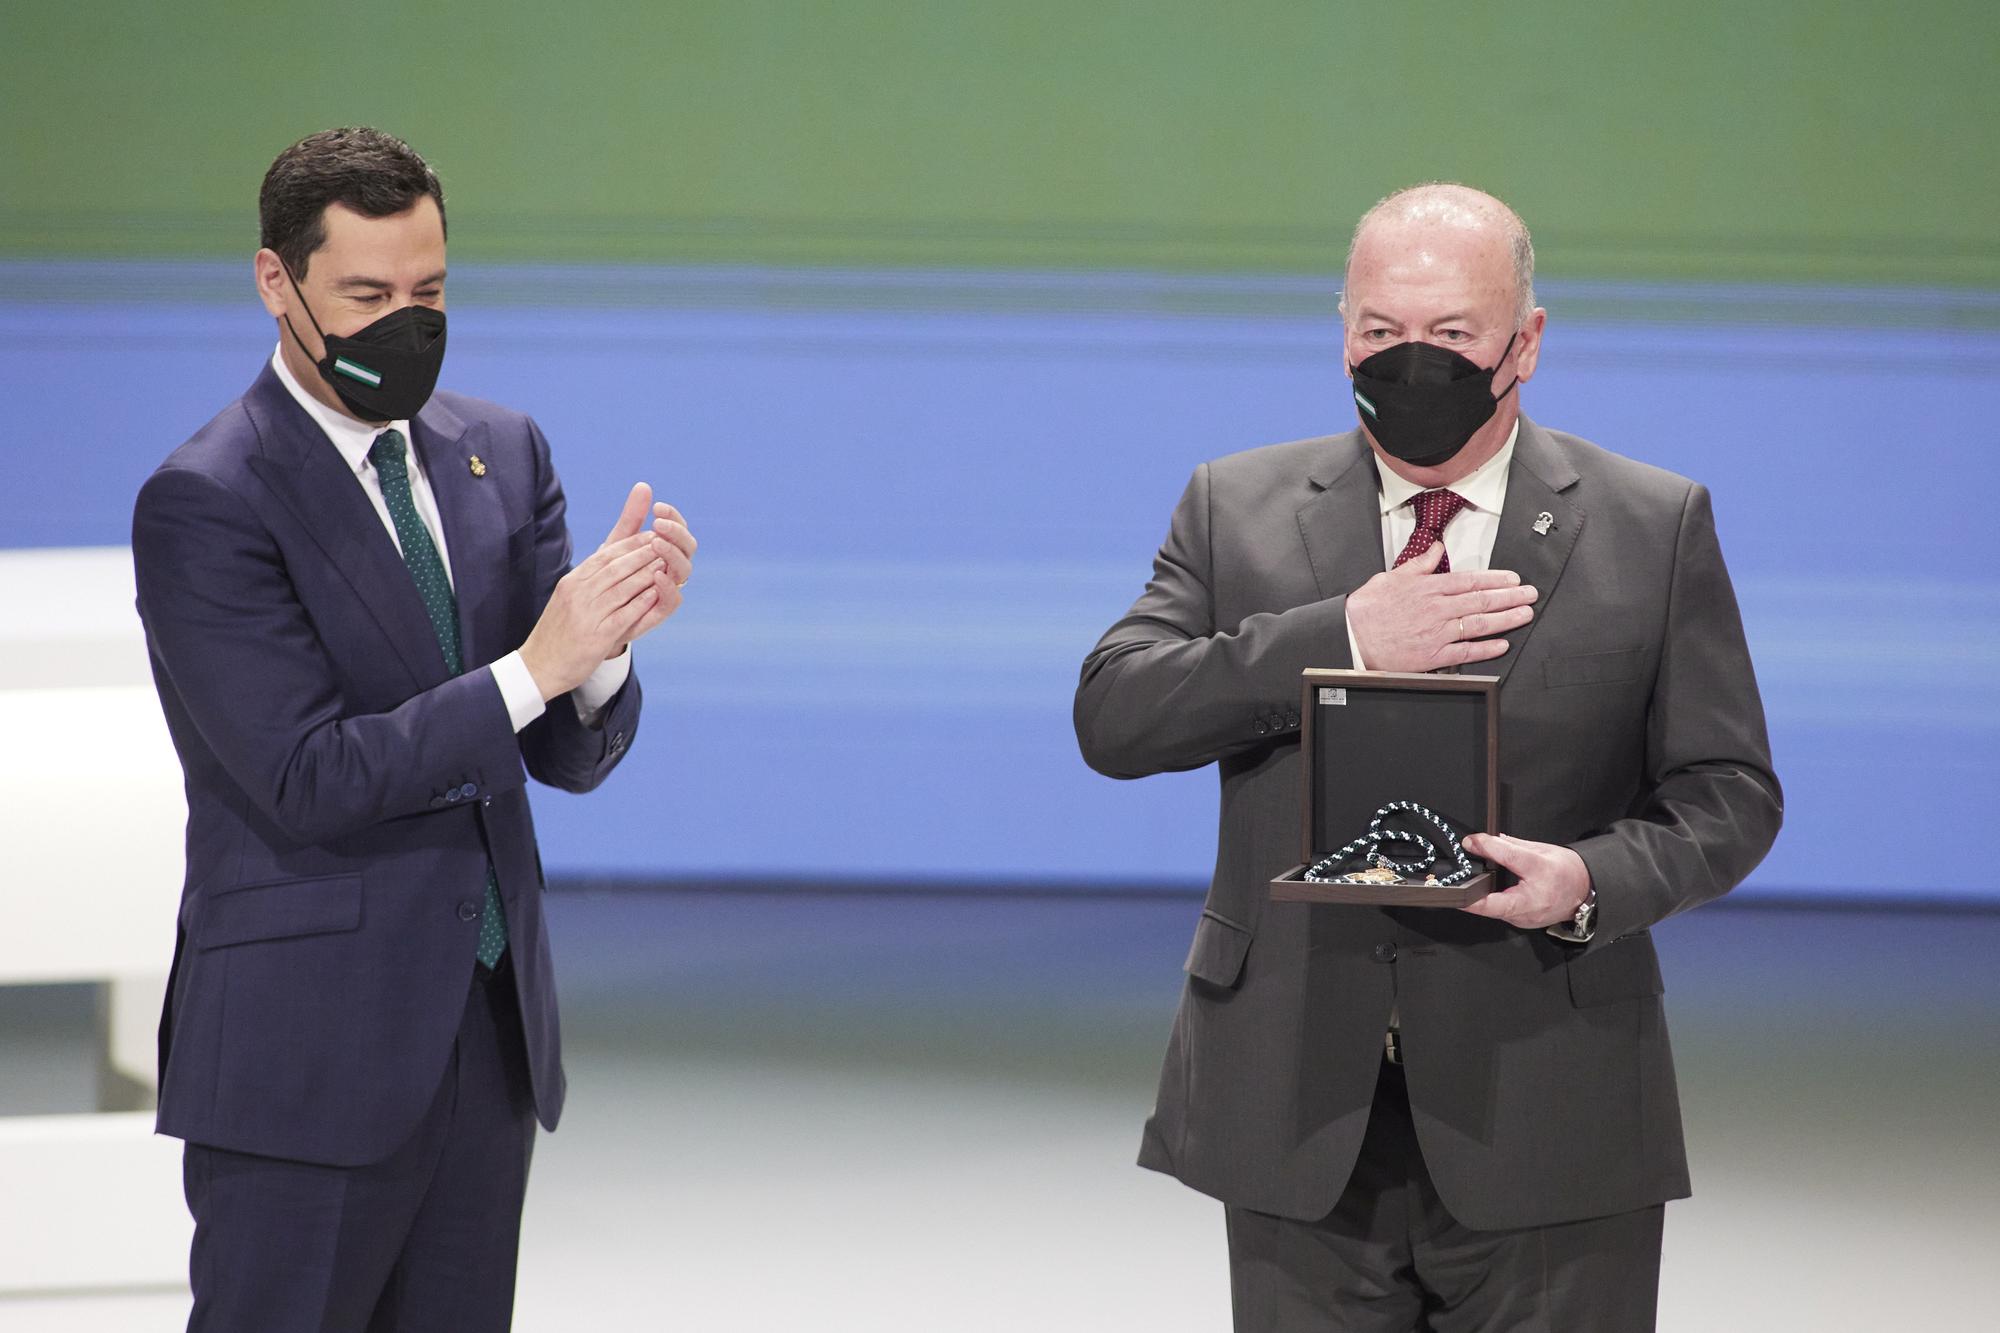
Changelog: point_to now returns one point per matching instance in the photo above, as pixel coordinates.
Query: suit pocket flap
(1628, 970)
(280, 910)
(1593, 668)
(1219, 947)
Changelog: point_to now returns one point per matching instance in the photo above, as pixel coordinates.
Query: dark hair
(373, 173)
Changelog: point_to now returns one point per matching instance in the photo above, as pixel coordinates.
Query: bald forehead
(1418, 275)
(1424, 242)
(1442, 232)
(1464, 222)
(1451, 205)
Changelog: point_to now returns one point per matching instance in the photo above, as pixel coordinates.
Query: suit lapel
(310, 478)
(1535, 484)
(475, 526)
(1341, 525)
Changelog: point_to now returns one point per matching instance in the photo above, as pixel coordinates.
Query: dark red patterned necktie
(1434, 510)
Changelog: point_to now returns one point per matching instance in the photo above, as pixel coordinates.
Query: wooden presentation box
(1371, 737)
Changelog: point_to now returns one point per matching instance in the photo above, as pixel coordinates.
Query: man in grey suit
(1421, 1118)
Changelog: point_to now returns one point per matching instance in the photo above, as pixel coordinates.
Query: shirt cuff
(597, 691)
(1353, 647)
(518, 690)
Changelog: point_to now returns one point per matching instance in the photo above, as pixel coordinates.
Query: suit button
(1291, 719)
(454, 795)
(1383, 953)
(486, 800)
(437, 802)
(468, 911)
(1262, 726)
(468, 790)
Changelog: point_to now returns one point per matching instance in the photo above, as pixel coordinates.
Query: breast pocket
(282, 909)
(1594, 668)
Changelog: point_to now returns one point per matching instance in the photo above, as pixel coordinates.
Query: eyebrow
(1451, 317)
(377, 285)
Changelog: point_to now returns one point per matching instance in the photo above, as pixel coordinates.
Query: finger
(633, 516)
(1501, 906)
(643, 593)
(671, 599)
(1467, 651)
(618, 595)
(676, 532)
(1500, 599)
(613, 550)
(1501, 851)
(1460, 581)
(625, 622)
(679, 567)
(616, 569)
(1490, 599)
(666, 601)
(1497, 622)
(642, 615)
(669, 513)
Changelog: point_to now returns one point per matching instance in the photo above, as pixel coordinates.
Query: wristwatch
(1579, 928)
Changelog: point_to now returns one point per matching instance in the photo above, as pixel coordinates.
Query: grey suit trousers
(1391, 1258)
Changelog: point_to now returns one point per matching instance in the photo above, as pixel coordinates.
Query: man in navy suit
(367, 633)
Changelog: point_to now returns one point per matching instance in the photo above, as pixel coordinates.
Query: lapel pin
(479, 469)
(1543, 521)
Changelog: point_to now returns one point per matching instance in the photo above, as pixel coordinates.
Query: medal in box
(1396, 769)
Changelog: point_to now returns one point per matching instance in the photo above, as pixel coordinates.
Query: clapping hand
(626, 589)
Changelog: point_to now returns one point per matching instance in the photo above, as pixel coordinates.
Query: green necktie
(421, 555)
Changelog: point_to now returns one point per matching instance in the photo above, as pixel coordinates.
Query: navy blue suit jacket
(345, 792)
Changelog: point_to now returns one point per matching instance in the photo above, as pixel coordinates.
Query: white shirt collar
(1484, 488)
(353, 438)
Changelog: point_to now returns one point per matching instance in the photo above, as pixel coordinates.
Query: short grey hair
(1450, 196)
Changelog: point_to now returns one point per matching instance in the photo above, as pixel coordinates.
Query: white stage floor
(820, 1113)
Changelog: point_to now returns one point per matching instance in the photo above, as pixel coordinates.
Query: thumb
(630, 519)
(1501, 851)
(1425, 562)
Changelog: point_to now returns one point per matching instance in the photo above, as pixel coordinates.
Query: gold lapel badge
(478, 466)
(1543, 521)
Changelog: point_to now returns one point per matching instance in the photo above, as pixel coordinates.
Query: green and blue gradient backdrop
(923, 312)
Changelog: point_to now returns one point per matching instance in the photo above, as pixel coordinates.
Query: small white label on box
(1329, 695)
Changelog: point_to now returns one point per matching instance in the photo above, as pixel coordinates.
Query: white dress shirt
(1468, 538)
(353, 439)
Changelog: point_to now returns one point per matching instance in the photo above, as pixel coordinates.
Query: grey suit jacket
(1539, 1072)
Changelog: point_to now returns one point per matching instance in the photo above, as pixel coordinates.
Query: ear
(274, 289)
(1530, 344)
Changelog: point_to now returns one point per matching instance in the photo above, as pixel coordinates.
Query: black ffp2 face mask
(1422, 402)
(386, 371)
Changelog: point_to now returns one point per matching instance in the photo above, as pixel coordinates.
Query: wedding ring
(1461, 627)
